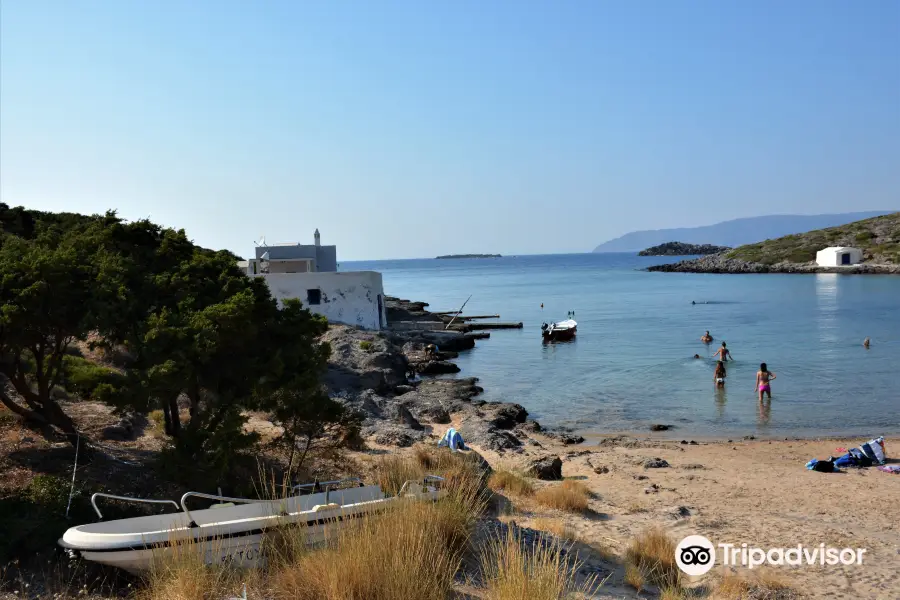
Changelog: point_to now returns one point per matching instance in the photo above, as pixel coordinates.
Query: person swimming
(763, 377)
(696, 356)
(866, 343)
(720, 374)
(706, 338)
(723, 353)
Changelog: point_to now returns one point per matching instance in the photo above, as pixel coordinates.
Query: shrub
(571, 496)
(652, 553)
(511, 483)
(389, 557)
(365, 345)
(512, 571)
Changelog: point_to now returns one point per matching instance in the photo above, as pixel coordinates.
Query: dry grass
(635, 508)
(761, 585)
(510, 483)
(398, 554)
(653, 554)
(390, 557)
(513, 571)
(180, 574)
(557, 527)
(634, 577)
(571, 496)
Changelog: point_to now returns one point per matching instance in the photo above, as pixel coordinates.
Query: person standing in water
(719, 376)
(763, 377)
(723, 353)
(706, 338)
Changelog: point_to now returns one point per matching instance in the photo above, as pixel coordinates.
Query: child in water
(719, 376)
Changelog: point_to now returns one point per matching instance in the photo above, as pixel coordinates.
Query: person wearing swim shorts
(719, 375)
(763, 377)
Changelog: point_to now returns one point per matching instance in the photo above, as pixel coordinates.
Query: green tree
(50, 288)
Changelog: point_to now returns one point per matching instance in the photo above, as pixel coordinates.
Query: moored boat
(233, 530)
(564, 330)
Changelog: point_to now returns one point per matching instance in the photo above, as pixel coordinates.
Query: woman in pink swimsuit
(763, 377)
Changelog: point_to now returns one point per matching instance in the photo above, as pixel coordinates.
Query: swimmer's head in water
(696, 356)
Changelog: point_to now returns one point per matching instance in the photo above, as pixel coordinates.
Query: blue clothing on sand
(453, 439)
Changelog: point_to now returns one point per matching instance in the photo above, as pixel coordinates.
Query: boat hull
(559, 335)
(234, 535)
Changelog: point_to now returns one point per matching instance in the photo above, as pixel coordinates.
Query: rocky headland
(391, 379)
(721, 263)
(878, 238)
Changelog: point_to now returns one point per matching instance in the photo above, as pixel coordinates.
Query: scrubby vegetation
(195, 329)
(682, 249)
(571, 496)
(878, 238)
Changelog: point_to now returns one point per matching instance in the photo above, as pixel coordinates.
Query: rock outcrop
(548, 468)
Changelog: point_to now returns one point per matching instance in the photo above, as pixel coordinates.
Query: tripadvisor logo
(696, 555)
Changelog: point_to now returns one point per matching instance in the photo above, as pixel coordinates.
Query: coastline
(719, 263)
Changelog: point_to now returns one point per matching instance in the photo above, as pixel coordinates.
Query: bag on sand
(823, 466)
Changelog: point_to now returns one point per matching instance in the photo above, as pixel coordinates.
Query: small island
(468, 256)
(682, 249)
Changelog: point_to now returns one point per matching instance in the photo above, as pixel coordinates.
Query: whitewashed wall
(348, 297)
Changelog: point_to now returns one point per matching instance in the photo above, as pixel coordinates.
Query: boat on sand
(232, 530)
(554, 332)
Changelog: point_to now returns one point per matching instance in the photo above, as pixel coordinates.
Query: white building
(836, 256)
(309, 273)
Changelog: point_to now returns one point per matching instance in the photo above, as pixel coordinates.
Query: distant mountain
(734, 233)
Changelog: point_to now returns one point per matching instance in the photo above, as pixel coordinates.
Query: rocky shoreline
(720, 263)
(390, 379)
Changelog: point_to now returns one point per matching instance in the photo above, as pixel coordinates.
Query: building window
(314, 297)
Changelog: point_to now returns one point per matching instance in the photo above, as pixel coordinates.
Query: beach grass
(760, 585)
(652, 554)
(570, 496)
(513, 570)
(510, 483)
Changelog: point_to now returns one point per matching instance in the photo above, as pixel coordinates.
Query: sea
(631, 364)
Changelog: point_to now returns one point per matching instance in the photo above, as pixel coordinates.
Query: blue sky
(411, 129)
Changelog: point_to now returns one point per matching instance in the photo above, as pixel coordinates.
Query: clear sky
(411, 129)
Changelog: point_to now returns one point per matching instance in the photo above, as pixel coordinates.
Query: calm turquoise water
(631, 363)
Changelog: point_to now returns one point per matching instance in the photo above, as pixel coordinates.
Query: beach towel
(453, 439)
(895, 469)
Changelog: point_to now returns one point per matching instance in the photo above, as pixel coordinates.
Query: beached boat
(564, 330)
(233, 530)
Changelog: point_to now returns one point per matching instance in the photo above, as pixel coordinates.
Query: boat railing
(212, 497)
(324, 486)
(425, 481)
(126, 499)
(320, 486)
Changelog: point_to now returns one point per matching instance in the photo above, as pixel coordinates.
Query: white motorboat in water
(564, 330)
(233, 530)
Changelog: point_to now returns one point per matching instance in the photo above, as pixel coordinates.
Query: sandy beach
(754, 492)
